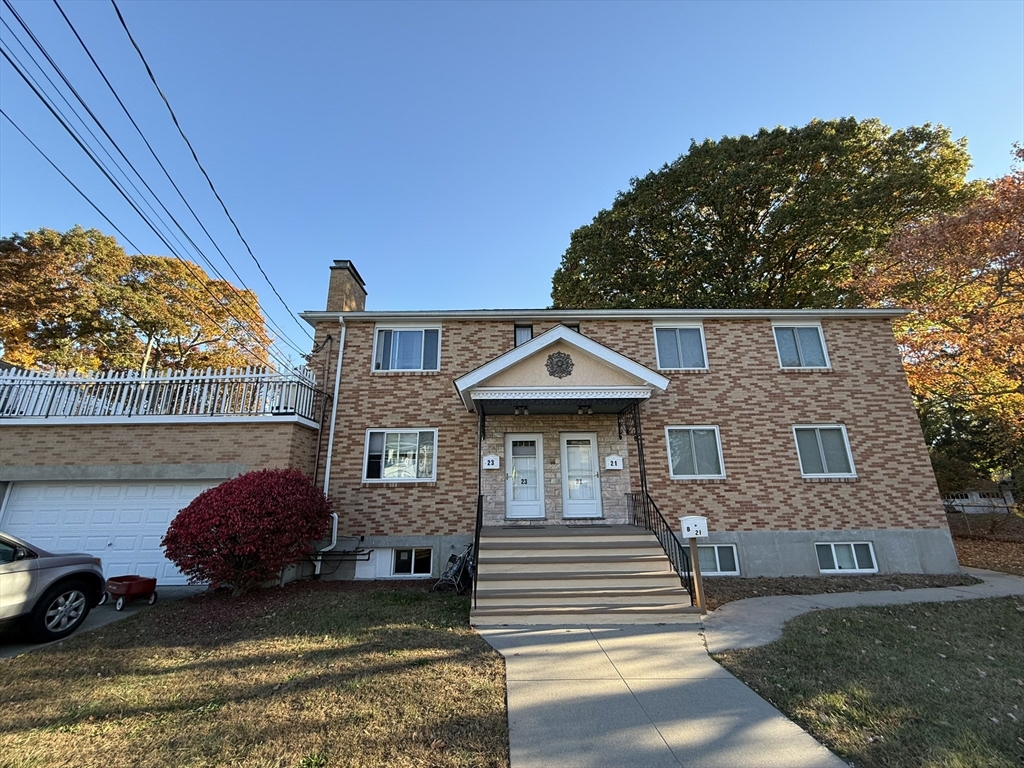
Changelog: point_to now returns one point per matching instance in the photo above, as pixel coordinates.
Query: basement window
(413, 562)
(718, 560)
(846, 557)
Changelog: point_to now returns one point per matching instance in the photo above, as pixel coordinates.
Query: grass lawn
(314, 674)
(938, 685)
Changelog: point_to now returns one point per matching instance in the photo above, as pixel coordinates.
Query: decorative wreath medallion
(559, 365)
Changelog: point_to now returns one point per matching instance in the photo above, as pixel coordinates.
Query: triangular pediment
(560, 361)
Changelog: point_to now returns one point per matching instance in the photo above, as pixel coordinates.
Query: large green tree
(76, 301)
(778, 219)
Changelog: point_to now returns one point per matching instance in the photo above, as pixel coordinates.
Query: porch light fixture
(521, 410)
(581, 409)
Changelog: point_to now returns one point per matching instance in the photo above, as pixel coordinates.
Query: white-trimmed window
(824, 450)
(846, 557)
(400, 455)
(718, 560)
(694, 453)
(407, 349)
(412, 561)
(801, 346)
(681, 348)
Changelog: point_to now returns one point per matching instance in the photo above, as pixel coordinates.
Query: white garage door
(120, 522)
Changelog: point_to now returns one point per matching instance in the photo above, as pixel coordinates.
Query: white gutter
(330, 447)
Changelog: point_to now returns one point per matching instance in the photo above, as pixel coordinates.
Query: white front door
(524, 478)
(581, 482)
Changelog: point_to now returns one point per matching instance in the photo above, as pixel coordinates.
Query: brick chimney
(346, 291)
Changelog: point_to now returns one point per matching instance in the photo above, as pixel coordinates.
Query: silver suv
(53, 592)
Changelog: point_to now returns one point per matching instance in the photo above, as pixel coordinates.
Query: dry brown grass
(310, 675)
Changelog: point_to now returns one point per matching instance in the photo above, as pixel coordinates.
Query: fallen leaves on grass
(1004, 556)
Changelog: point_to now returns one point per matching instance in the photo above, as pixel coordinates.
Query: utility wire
(218, 299)
(113, 91)
(195, 157)
(255, 314)
(84, 124)
(124, 237)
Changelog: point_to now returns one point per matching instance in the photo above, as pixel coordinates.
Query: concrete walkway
(759, 620)
(613, 696)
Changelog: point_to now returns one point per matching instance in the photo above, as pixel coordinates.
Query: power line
(142, 135)
(195, 157)
(242, 298)
(125, 237)
(134, 205)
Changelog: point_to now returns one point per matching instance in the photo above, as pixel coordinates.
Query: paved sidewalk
(759, 620)
(614, 696)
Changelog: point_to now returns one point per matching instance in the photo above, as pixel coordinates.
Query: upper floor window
(523, 334)
(694, 453)
(824, 451)
(407, 349)
(800, 346)
(681, 348)
(395, 455)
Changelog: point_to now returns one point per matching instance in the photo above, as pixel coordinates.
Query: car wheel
(61, 611)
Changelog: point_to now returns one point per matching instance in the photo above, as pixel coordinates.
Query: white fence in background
(194, 392)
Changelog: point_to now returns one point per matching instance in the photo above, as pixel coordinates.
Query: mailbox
(694, 526)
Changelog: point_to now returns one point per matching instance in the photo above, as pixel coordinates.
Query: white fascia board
(560, 393)
(574, 315)
(559, 333)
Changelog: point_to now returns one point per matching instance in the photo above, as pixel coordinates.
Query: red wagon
(128, 588)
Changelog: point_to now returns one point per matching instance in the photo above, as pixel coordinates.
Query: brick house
(792, 431)
(554, 435)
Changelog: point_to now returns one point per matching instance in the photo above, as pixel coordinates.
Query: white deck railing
(227, 392)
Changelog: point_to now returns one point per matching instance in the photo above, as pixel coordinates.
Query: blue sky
(449, 149)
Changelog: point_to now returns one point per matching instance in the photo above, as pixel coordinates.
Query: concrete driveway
(13, 642)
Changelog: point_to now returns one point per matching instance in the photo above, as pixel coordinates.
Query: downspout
(329, 341)
(330, 447)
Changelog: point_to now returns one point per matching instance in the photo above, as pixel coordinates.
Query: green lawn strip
(310, 675)
(938, 684)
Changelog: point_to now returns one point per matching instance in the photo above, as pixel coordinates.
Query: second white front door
(524, 478)
(581, 481)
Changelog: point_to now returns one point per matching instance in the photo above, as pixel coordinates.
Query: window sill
(396, 483)
(405, 373)
(699, 480)
(684, 370)
(847, 572)
(831, 479)
(805, 370)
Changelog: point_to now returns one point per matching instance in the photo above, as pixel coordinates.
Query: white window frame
(719, 572)
(392, 430)
(678, 326)
(846, 441)
(668, 452)
(853, 551)
(400, 327)
(412, 574)
(821, 338)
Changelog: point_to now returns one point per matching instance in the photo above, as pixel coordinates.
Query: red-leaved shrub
(244, 531)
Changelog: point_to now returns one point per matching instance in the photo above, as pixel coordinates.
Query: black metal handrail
(476, 542)
(645, 513)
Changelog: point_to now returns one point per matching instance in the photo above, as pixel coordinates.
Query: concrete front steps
(587, 574)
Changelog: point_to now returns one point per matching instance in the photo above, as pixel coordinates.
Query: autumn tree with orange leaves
(962, 275)
(76, 301)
